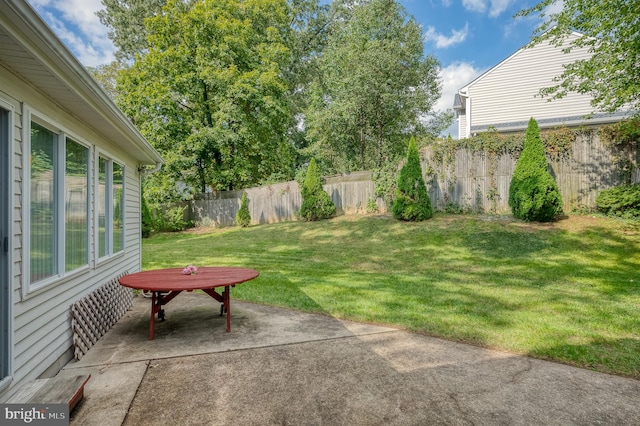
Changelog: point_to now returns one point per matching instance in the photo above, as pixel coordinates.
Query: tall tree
(375, 86)
(309, 22)
(610, 30)
(125, 20)
(210, 92)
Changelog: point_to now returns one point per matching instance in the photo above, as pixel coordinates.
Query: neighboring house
(70, 171)
(507, 95)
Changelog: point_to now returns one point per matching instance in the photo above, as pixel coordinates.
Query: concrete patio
(285, 367)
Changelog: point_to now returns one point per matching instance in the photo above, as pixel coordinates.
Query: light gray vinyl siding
(41, 322)
(508, 93)
(462, 125)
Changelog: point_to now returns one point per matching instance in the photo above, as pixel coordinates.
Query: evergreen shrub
(243, 217)
(622, 201)
(146, 218)
(316, 203)
(412, 201)
(533, 193)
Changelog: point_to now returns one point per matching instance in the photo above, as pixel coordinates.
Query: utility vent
(93, 315)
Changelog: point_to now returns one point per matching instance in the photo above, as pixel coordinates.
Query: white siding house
(507, 95)
(70, 170)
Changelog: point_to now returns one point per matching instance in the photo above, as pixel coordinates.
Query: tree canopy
(210, 92)
(610, 30)
(235, 93)
(374, 87)
(125, 20)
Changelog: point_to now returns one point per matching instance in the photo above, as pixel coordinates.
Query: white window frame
(109, 252)
(28, 287)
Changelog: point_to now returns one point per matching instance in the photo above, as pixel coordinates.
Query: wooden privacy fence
(474, 182)
(471, 181)
(280, 202)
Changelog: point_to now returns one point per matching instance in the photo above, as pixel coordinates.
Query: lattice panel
(93, 315)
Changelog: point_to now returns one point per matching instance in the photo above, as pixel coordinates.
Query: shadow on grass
(618, 356)
(521, 287)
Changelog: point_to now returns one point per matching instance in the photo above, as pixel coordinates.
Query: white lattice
(93, 315)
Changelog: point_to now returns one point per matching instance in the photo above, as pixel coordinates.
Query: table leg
(227, 306)
(153, 315)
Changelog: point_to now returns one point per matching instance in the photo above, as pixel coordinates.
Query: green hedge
(622, 201)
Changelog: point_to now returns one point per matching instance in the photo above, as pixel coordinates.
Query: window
(44, 176)
(59, 205)
(76, 217)
(110, 203)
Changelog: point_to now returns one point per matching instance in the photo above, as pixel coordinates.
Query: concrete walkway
(288, 368)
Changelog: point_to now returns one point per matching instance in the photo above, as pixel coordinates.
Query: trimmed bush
(316, 203)
(243, 217)
(622, 201)
(412, 201)
(533, 193)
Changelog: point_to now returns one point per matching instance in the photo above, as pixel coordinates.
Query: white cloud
(442, 41)
(498, 6)
(555, 7)
(454, 77)
(534, 20)
(475, 5)
(76, 24)
(495, 7)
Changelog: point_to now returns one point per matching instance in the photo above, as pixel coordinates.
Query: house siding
(41, 319)
(508, 94)
(462, 124)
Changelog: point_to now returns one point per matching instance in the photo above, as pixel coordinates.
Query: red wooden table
(165, 284)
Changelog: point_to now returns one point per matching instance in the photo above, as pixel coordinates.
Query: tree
(412, 202)
(243, 217)
(316, 203)
(106, 75)
(533, 193)
(309, 22)
(209, 94)
(375, 86)
(610, 30)
(125, 20)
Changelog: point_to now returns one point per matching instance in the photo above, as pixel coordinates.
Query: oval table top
(169, 279)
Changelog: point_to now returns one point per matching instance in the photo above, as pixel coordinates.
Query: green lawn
(567, 291)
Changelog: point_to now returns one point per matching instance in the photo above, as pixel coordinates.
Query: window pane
(43, 261)
(76, 216)
(118, 211)
(102, 206)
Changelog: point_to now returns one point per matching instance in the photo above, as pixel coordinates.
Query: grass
(567, 291)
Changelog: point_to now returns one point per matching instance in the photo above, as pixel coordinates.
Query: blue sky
(467, 36)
